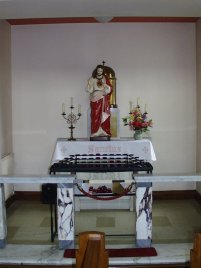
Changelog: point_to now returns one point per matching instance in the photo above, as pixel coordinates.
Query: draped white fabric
(139, 148)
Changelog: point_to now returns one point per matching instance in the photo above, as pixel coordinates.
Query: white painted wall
(5, 89)
(5, 100)
(155, 62)
(198, 59)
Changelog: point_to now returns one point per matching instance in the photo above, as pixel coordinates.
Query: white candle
(137, 101)
(145, 108)
(63, 108)
(79, 109)
(131, 104)
(71, 101)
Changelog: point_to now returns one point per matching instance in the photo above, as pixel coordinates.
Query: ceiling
(87, 10)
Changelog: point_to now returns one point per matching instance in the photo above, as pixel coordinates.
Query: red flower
(137, 121)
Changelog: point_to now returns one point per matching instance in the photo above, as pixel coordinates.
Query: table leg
(144, 214)
(55, 218)
(66, 222)
(3, 224)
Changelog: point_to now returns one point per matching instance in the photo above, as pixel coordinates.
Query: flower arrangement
(137, 120)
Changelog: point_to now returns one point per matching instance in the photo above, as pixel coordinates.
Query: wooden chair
(91, 252)
(195, 253)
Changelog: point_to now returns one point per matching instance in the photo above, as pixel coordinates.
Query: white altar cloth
(140, 148)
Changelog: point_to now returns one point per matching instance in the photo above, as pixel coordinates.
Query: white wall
(5, 89)
(198, 58)
(5, 101)
(155, 62)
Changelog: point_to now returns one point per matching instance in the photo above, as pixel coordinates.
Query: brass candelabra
(71, 119)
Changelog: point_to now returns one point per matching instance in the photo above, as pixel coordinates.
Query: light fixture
(104, 19)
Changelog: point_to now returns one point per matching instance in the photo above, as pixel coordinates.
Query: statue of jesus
(100, 91)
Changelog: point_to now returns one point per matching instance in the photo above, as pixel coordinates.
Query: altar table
(139, 148)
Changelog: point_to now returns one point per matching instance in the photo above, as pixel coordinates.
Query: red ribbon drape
(116, 196)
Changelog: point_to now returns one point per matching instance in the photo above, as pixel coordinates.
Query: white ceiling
(16, 9)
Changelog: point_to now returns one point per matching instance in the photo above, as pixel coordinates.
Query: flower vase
(137, 135)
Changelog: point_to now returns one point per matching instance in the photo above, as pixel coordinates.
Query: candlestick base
(100, 138)
(71, 139)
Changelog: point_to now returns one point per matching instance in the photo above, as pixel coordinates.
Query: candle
(79, 109)
(138, 101)
(63, 108)
(131, 104)
(145, 108)
(71, 101)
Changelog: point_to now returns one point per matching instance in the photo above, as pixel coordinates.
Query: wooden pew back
(91, 252)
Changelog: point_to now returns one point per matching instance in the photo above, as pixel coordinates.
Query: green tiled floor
(181, 219)
(173, 222)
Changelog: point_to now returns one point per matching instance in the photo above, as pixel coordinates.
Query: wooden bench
(195, 253)
(91, 252)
